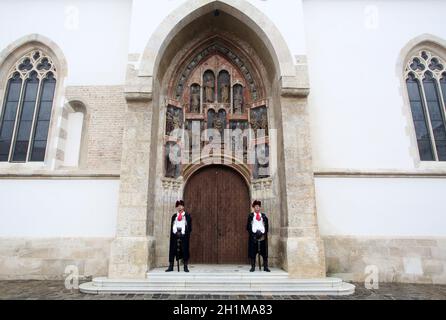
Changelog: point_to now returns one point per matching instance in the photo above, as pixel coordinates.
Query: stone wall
(410, 260)
(47, 258)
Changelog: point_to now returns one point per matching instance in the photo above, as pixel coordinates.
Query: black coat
(184, 254)
(253, 248)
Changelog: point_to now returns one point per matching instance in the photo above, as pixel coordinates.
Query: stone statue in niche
(172, 160)
(218, 123)
(239, 138)
(210, 120)
(195, 99)
(209, 86)
(224, 82)
(194, 129)
(261, 166)
(259, 119)
(238, 99)
(238, 124)
(174, 119)
(225, 93)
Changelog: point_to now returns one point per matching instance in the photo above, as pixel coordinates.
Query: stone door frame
(133, 251)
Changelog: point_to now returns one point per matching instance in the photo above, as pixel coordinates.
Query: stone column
(301, 246)
(132, 251)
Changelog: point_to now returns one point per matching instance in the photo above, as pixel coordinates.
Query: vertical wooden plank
(218, 199)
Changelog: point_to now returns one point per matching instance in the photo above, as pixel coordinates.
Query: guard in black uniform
(180, 229)
(257, 228)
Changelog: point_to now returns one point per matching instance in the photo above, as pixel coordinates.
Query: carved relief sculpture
(232, 57)
(217, 102)
(174, 119)
(259, 119)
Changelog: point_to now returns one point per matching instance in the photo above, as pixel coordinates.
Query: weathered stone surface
(47, 258)
(418, 260)
(131, 257)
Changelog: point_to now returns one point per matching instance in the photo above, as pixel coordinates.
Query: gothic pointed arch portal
(223, 71)
(216, 86)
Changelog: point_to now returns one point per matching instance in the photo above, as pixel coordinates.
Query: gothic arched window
(26, 108)
(426, 85)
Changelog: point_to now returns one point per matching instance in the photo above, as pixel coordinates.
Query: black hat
(179, 203)
(256, 203)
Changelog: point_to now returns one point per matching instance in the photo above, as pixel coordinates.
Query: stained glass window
(26, 109)
(8, 117)
(425, 82)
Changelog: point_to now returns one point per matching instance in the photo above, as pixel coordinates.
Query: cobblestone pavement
(55, 290)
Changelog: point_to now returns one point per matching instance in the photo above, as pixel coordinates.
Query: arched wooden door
(218, 200)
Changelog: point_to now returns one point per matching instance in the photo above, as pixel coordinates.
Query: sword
(258, 247)
(178, 251)
(178, 260)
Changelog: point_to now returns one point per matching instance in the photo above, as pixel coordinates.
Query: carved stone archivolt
(222, 49)
(217, 88)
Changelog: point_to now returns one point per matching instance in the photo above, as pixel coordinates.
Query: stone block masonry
(47, 258)
(105, 106)
(409, 260)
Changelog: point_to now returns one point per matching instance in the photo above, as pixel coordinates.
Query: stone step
(190, 276)
(218, 271)
(344, 289)
(246, 281)
(209, 279)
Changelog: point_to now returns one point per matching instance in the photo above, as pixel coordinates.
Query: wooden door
(218, 200)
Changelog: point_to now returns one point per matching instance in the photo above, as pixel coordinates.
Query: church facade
(112, 111)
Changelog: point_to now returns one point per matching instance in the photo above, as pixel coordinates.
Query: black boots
(170, 269)
(265, 265)
(253, 265)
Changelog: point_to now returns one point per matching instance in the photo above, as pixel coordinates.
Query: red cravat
(258, 216)
(180, 217)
